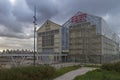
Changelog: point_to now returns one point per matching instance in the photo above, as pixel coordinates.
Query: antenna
(34, 22)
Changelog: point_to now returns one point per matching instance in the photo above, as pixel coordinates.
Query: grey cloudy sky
(16, 28)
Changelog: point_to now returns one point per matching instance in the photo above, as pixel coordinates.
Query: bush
(34, 73)
(111, 66)
(28, 73)
(92, 65)
(108, 66)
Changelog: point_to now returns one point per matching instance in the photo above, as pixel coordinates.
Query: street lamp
(34, 22)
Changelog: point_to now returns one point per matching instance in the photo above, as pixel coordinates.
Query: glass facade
(109, 40)
(106, 31)
(102, 27)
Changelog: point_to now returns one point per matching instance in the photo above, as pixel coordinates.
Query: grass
(64, 70)
(110, 71)
(99, 75)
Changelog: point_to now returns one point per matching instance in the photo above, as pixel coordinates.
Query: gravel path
(72, 74)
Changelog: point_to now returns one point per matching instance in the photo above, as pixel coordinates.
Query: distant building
(83, 38)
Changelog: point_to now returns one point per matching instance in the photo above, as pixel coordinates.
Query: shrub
(92, 65)
(34, 73)
(108, 66)
(111, 66)
(28, 73)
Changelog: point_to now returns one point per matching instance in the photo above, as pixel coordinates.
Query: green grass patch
(64, 70)
(99, 75)
(109, 71)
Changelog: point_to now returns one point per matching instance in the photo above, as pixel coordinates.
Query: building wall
(49, 39)
(39, 43)
(110, 50)
(84, 42)
(104, 46)
(88, 47)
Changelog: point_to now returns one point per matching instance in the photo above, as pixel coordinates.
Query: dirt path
(72, 74)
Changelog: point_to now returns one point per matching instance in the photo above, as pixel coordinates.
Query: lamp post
(34, 22)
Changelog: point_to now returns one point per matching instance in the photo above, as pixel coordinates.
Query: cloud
(45, 9)
(95, 7)
(5, 7)
(13, 43)
(20, 16)
(6, 18)
(22, 12)
(16, 21)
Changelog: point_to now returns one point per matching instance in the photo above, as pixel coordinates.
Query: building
(49, 42)
(84, 44)
(90, 40)
(83, 38)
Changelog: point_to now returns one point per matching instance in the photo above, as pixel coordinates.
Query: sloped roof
(48, 22)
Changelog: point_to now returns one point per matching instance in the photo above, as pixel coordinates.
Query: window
(48, 40)
(48, 37)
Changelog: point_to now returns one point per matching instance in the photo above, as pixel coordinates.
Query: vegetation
(109, 71)
(28, 73)
(99, 75)
(92, 65)
(111, 67)
(34, 73)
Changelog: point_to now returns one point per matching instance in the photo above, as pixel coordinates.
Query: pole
(34, 22)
